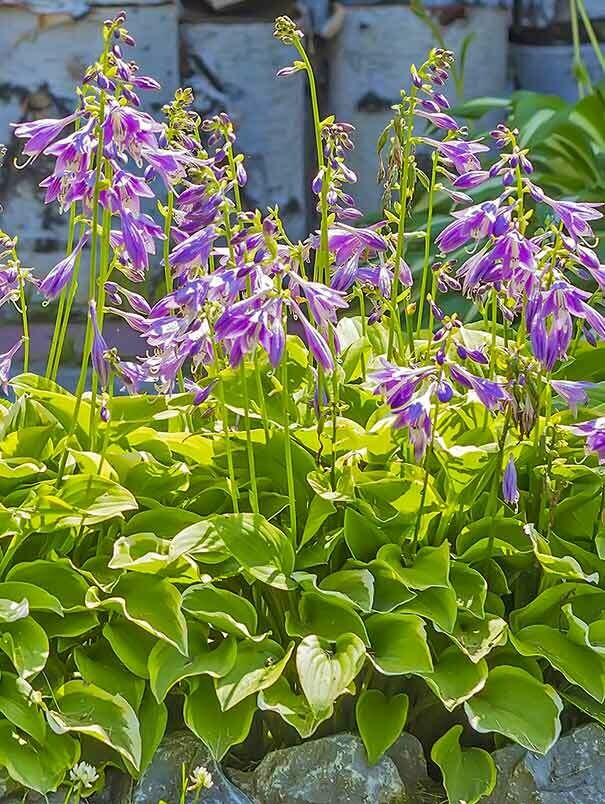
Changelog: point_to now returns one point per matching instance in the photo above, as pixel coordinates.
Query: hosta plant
(315, 502)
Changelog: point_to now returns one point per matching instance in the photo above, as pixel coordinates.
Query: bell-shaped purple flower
(59, 276)
(98, 349)
(575, 216)
(594, 433)
(40, 133)
(573, 393)
(510, 490)
(6, 360)
(347, 241)
(200, 393)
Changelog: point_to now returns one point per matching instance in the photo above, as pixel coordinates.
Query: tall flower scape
(323, 503)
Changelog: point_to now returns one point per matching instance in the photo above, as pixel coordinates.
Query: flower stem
(425, 484)
(249, 445)
(288, 450)
(24, 319)
(395, 323)
(167, 228)
(62, 301)
(427, 245)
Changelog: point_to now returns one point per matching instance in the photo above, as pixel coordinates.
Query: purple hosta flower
(381, 277)
(129, 130)
(133, 375)
(476, 355)
(193, 252)
(126, 192)
(550, 324)
(510, 490)
(466, 181)
(200, 394)
(398, 384)
(135, 300)
(58, 277)
(589, 260)
(512, 259)
(6, 360)
(163, 367)
(315, 341)
(139, 234)
(245, 324)
(432, 112)
(490, 393)
(347, 241)
(594, 433)
(460, 153)
(98, 349)
(40, 133)
(9, 284)
(573, 393)
(416, 416)
(169, 165)
(475, 223)
(575, 216)
(323, 301)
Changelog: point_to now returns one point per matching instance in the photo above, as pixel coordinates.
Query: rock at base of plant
(326, 771)
(573, 771)
(408, 755)
(162, 779)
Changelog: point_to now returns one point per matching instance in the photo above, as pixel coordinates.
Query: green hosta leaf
(152, 603)
(12, 610)
(520, 707)
(325, 670)
(570, 652)
(218, 730)
(355, 585)
(318, 512)
(456, 678)
(478, 637)
(98, 665)
(82, 500)
(292, 708)
(380, 720)
(363, 538)
(468, 774)
(492, 537)
(562, 566)
(165, 522)
(38, 599)
(261, 548)
(19, 705)
(87, 709)
(389, 590)
(37, 767)
(470, 588)
(146, 553)
(329, 618)
(223, 610)
(439, 605)
(585, 703)
(26, 645)
(58, 578)
(431, 566)
(399, 644)
(257, 666)
(131, 645)
(201, 540)
(167, 666)
(153, 717)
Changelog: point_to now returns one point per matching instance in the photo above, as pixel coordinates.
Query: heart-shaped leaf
(218, 730)
(257, 666)
(326, 669)
(380, 720)
(399, 644)
(468, 774)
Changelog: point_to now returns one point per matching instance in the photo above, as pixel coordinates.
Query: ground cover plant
(323, 504)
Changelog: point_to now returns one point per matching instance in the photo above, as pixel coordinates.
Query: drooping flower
(575, 216)
(347, 241)
(510, 490)
(6, 360)
(460, 153)
(473, 223)
(98, 349)
(594, 433)
(41, 133)
(59, 276)
(573, 393)
(200, 393)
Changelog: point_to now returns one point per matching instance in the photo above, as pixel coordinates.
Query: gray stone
(326, 771)
(573, 771)
(408, 756)
(162, 779)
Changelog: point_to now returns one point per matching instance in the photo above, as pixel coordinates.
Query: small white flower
(84, 775)
(201, 779)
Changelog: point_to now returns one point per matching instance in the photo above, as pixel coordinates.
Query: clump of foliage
(339, 509)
